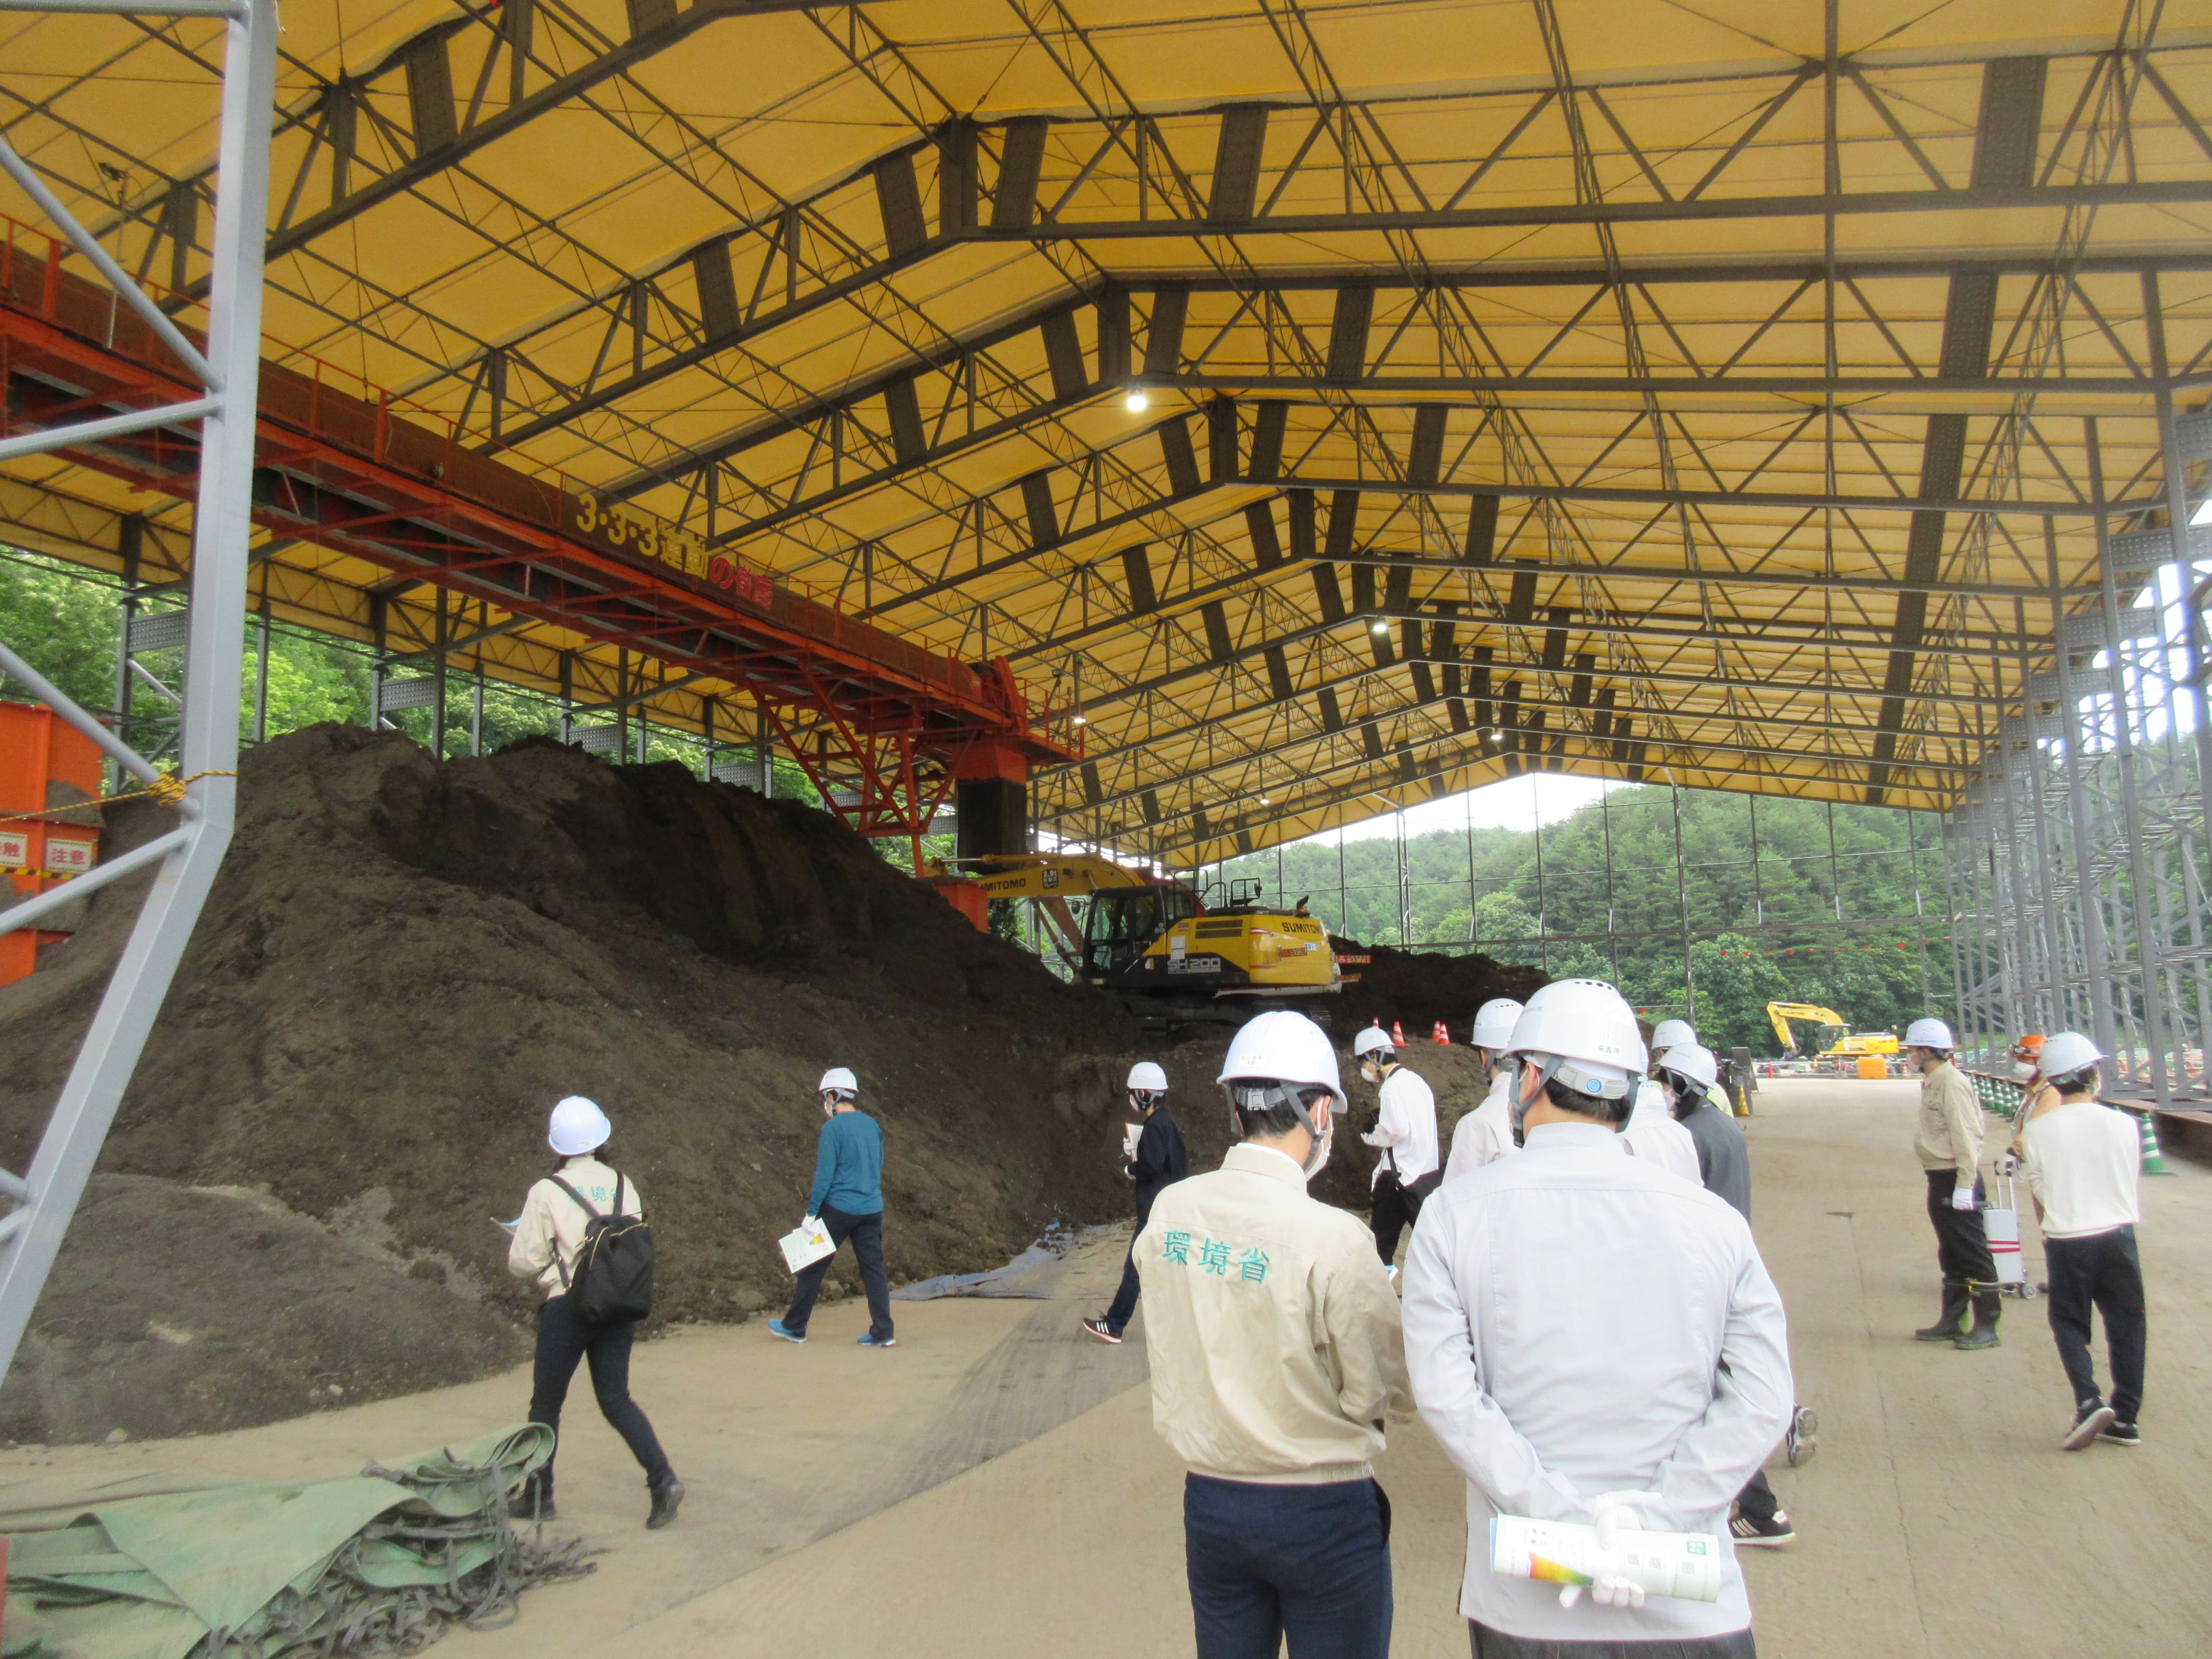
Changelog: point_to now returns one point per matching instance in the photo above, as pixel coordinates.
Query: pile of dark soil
(405, 963)
(175, 1309)
(1418, 988)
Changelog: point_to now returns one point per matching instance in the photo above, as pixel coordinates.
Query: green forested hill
(1801, 956)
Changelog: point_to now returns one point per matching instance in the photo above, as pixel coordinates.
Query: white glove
(1612, 1513)
(811, 1223)
(1962, 1198)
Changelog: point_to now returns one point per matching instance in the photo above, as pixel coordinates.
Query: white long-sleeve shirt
(1651, 1133)
(1405, 1128)
(1484, 1134)
(1578, 1323)
(2082, 1161)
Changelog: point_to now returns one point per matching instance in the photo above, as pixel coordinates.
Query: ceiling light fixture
(1136, 403)
(1382, 627)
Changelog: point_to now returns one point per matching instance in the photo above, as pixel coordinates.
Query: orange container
(47, 766)
(1873, 1066)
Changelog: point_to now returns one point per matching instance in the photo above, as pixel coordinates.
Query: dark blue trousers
(565, 1341)
(1268, 1562)
(2104, 1272)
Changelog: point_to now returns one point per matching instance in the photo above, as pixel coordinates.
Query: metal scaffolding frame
(204, 787)
(2077, 854)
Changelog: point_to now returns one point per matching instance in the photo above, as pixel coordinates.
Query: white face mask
(2021, 1070)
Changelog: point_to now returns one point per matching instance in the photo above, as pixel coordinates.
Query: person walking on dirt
(1404, 1126)
(1160, 1160)
(1485, 1134)
(848, 1199)
(547, 1239)
(1690, 1073)
(1593, 1340)
(1275, 1356)
(2082, 1161)
(1949, 1145)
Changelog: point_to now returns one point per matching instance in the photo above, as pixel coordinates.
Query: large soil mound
(178, 1309)
(1418, 988)
(405, 963)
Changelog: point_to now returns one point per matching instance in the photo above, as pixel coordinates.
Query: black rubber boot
(1987, 1305)
(534, 1502)
(1947, 1323)
(666, 1496)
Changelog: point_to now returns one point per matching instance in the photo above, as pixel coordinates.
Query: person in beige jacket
(547, 1237)
(1949, 1144)
(1275, 1356)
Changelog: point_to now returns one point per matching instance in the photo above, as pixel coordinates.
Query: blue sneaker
(870, 1339)
(777, 1328)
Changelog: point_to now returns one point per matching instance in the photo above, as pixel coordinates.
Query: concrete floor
(994, 1486)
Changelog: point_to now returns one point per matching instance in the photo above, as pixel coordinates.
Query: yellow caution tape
(169, 789)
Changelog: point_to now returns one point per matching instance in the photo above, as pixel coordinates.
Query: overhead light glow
(1082, 719)
(1136, 403)
(1382, 627)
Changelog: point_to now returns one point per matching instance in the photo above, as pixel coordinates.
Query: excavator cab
(1122, 921)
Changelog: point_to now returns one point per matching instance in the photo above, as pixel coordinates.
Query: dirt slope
(404, 964)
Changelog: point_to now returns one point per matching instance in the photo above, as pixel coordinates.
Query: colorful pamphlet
(1685, 1565)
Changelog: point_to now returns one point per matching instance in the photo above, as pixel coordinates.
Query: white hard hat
(1693, 1062)
(1672, 1033)
(2066, 1053)
(1494, 1022)
(1146, 1074)
(1284, 1047)
(1368, 1040)
(577, 1127)
(837, 1077)
(1929, 1033)
(1586, 1028)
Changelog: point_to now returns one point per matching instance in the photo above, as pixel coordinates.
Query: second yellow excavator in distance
(1152, 936)
(1848, 1045)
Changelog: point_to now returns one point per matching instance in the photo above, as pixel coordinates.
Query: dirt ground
(993, 1486)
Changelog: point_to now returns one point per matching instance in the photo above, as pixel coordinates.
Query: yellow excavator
(1154, 936)
(1849, 1045)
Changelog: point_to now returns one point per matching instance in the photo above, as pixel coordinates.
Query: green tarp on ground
(162, 1567)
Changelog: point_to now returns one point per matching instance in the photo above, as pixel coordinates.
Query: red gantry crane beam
(347, 472)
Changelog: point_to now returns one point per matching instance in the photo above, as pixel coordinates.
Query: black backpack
(613, 1276)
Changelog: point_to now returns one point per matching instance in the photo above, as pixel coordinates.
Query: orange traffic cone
(1440, 1035)
(1397, 1035)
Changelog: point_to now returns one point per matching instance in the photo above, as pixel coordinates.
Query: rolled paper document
(1685, 1565)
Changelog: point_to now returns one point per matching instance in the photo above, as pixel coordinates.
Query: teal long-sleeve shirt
(848, 1166)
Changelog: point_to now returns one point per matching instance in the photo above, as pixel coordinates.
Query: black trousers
(1488, 1644)
(563, 1340)
(1757, 1499)
(866, 1232)
(1395, 1208)
(1962, 1248)
(1124, 1308)
(2102, 1271)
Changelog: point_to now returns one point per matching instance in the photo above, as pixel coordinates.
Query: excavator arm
(1050, 875)
(1781, 1013)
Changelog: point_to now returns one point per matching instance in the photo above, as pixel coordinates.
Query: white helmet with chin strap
(1279, 1059)
(1694, 1070)
(1146, 1080)
(1494, 1022)
(1373, 1040)
(839, 1081)
(1672, 1033)
(1582, 1034)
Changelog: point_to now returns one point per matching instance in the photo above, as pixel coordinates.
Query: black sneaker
(2094, 1418)
(1770, 1534)
(2122, 1434)
(1103, 1331)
